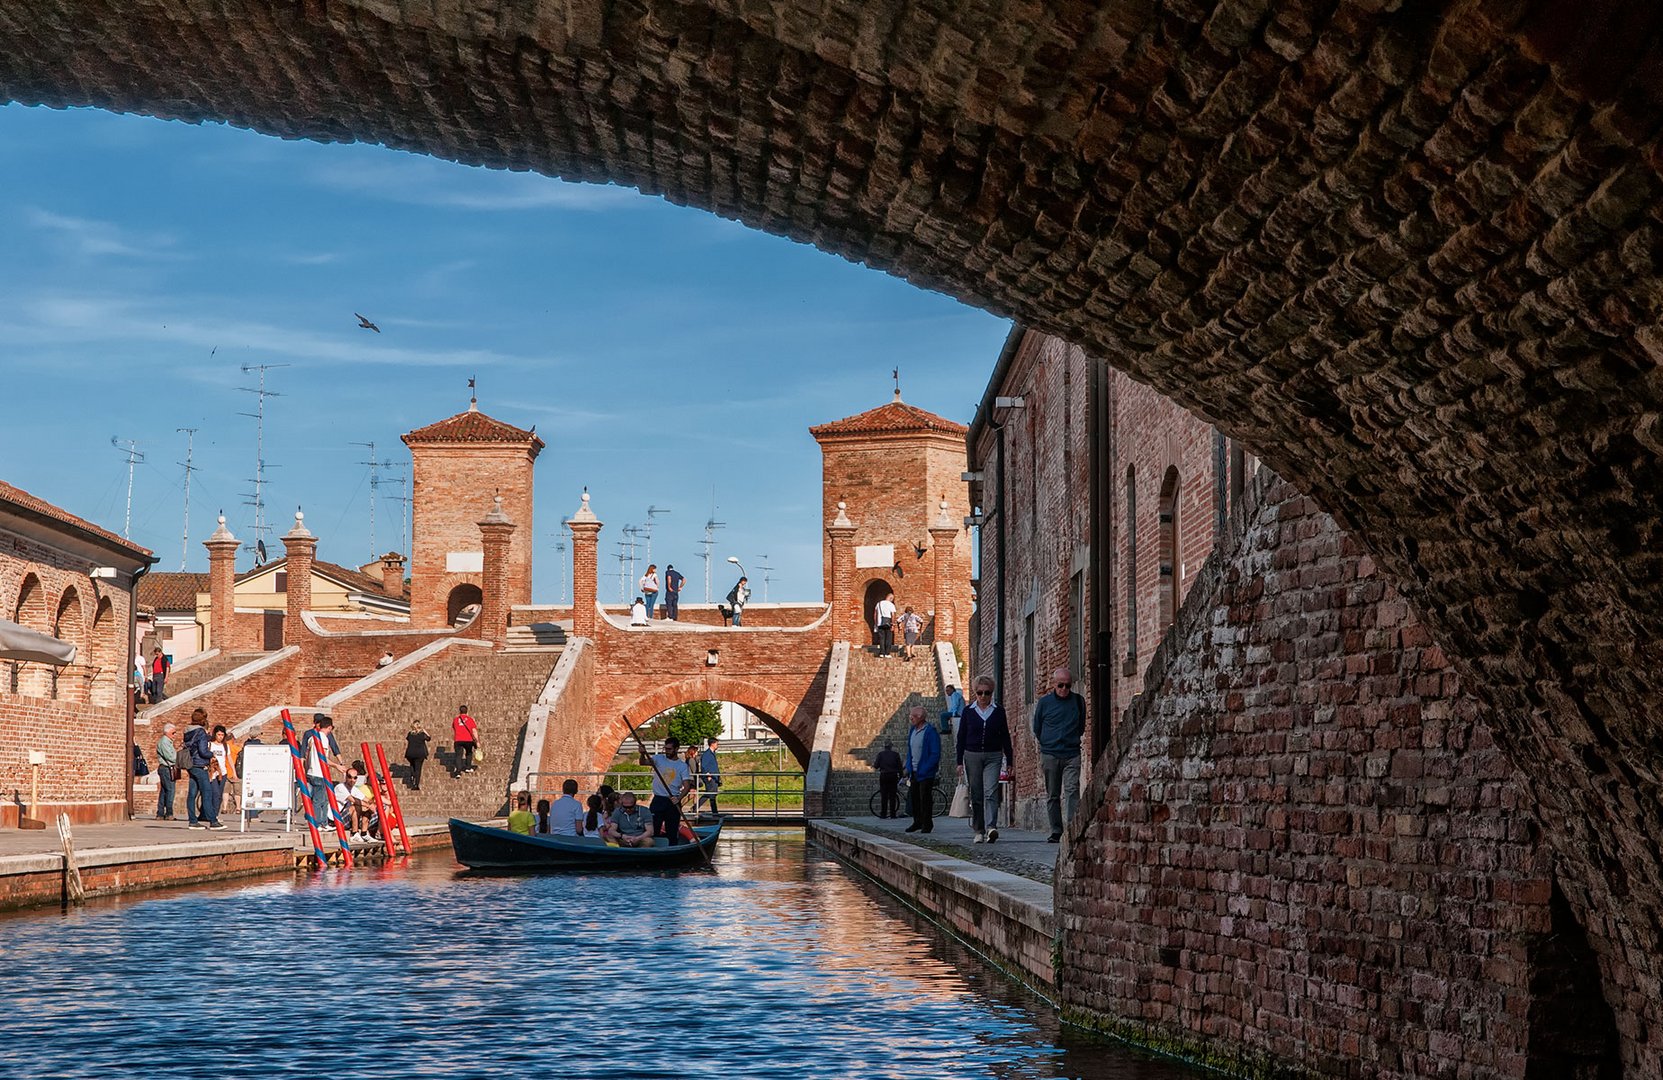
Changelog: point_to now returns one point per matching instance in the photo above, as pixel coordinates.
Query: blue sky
(660, 351)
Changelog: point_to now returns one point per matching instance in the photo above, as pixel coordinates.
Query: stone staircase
(499, 689)
(537, 635)
(876, 698)
(195, 674)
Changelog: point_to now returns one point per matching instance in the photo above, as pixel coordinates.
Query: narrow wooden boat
(483, 847)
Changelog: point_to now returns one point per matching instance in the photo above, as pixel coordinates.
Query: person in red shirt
(464, 732)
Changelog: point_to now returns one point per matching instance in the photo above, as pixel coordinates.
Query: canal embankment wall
(1008, 919)
(1302, 853)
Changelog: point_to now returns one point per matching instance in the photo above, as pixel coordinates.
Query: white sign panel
(874, 556)
(268, 778)
(465, 562)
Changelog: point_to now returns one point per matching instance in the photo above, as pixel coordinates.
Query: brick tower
(458, 466)
(894, 467)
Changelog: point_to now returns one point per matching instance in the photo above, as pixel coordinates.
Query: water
(780, 963)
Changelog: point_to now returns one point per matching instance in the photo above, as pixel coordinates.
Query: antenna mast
(709, 542)
(133, 458)
(404, 499)
(375, 489)
(767, 576)
(560, 562)
(652, 512)
(257, 499)
(185, 538)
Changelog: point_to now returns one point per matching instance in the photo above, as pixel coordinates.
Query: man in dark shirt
(888, 764)
(672, 592)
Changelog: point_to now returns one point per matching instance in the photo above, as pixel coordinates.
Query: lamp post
(734, 559)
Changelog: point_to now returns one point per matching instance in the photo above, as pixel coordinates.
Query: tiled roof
(355, 580)
(895, 418)
(171, 591)
(472, 426)
(25, 501)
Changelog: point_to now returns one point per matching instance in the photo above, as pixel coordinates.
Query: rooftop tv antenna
(375, 488)
(560, 546)
(623, 559)
(404, 500)
(709, 542)
(767, 576)
(134, 457)
(653, 512)
(189, 464)
(257, 498)
(631, 532)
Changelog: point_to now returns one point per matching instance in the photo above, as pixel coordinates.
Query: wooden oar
(665, 784)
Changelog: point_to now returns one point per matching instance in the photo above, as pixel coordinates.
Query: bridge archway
(772, 708)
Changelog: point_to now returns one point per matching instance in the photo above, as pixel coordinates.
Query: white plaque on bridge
(268, 778)
(869, 556)
(465, 562)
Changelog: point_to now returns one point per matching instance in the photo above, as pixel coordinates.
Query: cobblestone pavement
(1018, 851)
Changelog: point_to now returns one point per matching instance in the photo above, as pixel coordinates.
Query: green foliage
(691, 723)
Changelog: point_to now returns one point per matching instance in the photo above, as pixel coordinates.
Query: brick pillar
(495, 531)
(944, 533)
(392, 574)
(586, 530)
(222, 579)
(300, 548)
(842, 534)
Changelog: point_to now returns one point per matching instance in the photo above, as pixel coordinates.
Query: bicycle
(942, 799)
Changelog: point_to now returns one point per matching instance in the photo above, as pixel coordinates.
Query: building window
(1029, 658)
(1172, 566)
(1238, 473)
(1077, 625)
(280, 581)
(1131, 665)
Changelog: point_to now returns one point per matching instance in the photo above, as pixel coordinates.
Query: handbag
(478, 754)
(961, 801)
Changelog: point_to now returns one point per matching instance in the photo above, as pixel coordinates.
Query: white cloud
(86, 236)
(426, 182)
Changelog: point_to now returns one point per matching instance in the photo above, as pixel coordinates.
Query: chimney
(392, 574)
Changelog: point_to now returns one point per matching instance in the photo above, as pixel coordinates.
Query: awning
(21, 643)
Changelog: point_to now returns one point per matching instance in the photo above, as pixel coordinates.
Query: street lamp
(734, 559)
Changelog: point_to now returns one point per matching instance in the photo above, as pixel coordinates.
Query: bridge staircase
(196, 672)
(499, 689)
(538, 635)
(878, 694)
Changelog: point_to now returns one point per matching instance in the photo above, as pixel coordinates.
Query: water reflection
(776, 963)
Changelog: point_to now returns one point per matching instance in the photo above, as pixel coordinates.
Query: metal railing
(754, 796)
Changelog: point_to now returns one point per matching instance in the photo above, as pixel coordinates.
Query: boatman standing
(671, 780)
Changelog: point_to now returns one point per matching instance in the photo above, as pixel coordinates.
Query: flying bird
(919, 548)
(365, 324)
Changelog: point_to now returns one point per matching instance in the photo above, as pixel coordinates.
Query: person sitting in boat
(609, 799)
(520, 820)
(672, 779)
(542, 826)
(630, 825)
(594, 821)
(565, 814)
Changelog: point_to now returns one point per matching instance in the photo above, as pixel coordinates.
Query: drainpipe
(999, 568)
(127, 688)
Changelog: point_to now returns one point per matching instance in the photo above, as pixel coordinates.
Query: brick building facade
(69, 578)
(458, 466)
(1099, 499)
(899, 469)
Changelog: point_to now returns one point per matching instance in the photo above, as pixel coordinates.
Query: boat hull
(483, 847)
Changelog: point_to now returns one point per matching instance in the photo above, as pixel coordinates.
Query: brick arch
(69, 624)
(107, 653)
(1401, 252)
(775, 710)
(30, 610)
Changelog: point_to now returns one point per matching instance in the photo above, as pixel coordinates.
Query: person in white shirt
(672, 779)
(638, 613)
(883, 623)
(648, 586)
(566, 813)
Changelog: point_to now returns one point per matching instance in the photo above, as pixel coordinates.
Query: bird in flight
(365, 324)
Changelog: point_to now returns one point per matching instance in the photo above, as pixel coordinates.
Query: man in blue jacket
(1059, 721)
(923, 761)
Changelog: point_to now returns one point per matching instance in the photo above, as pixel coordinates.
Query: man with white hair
(1059, 721)
(167, 760)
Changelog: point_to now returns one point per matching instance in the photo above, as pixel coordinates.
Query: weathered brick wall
(87, 758)
(452, 486)
(1305, 848)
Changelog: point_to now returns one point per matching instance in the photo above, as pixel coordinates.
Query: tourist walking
(167, 764)
(318, 750)
(738, 596)
(883, 623)
(889, 766)
(984, 745)
(160, 665)
(673, 580)
(200, 809)
(710, 777)
(923, 761)
(955, 708)
(464, 732)
(648, 586)
(223, 768)
(912, 628)
(671, 780)
(416, 752)
(1059, 721)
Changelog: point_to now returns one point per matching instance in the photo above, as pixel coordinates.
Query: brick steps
(181, 679)
(876, 698)
(539, 635)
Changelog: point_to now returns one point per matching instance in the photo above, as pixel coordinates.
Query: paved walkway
(148, 832)
(1017, 851)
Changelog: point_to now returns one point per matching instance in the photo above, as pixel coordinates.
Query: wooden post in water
(74, 887)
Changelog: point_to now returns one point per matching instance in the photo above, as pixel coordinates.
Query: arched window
(108, 657)
(1172, 566)
(463, 597)
(1130, 667)
(67, 683)
(31, 679)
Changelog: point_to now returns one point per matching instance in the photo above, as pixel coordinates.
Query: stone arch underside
(1407, 257)
(783, 716)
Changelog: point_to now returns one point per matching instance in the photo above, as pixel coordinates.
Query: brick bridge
(1407, 254)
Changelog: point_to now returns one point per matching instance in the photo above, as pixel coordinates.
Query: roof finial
(896, 374)
(473, 393)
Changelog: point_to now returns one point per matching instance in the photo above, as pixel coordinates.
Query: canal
(780, 962)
